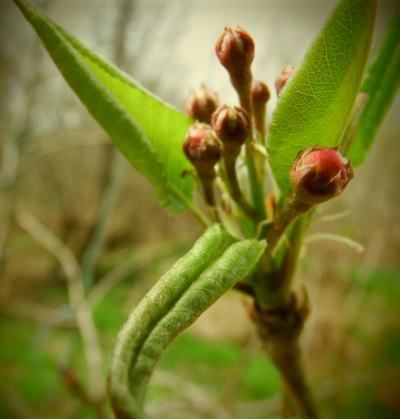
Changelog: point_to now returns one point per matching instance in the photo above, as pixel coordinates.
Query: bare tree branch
(78, 302)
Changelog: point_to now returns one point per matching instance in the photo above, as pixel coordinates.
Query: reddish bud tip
(232, 125)
(320, 174)
(201, 104)
(282, 78)
(235, 49)
(259, 93)
(202, 147)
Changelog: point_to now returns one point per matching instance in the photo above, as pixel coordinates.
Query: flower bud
(202, 147)
(320, 174)
(201, 104)
(232, 125)
(235, 49)
(282, 78)
(259, 93)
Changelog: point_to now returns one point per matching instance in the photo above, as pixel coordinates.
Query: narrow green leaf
(358, 247)
(315, 105)
(194, 283)
(381, 82)
(147, 131)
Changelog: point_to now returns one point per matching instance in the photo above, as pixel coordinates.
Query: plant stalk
(234, 188)
(279, 330)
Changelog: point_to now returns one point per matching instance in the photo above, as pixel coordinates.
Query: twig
(79, 305)
(122, 271)
(114, 173)
(11, 148)
(109, 198)
(197, 398)
(43, 314)
(25, 168)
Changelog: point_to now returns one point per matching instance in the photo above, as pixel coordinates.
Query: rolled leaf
(193, 284)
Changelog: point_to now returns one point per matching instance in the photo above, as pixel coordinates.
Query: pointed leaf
(193, 284)
(315, 105)
(147, 131)
(381, 82)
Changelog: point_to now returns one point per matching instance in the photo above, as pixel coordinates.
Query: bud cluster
(317, 174)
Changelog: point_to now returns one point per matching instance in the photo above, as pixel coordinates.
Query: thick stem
(292, 208)
(272, 282)
(279, 330)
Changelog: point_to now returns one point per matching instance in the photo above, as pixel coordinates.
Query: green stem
(260, 123)
(292, 208)
(207, 183)
(191, 206)
(272, 282)
(256, 187)
(284, 278)
(242, 84)
(234, 188)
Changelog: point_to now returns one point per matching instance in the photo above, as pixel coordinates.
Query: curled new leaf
(193, 284)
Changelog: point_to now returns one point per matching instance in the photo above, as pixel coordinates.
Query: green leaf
(193, 284)
(381, 82)
(146, 130)
(315, 105)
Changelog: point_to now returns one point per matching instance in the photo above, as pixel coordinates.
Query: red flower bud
(259, 93)
(232, 125)
(282, 78)
(202, 147)
(235, 49)
(319, 174)
(201, 104)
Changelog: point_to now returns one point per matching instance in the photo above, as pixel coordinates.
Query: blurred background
(67, 195)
